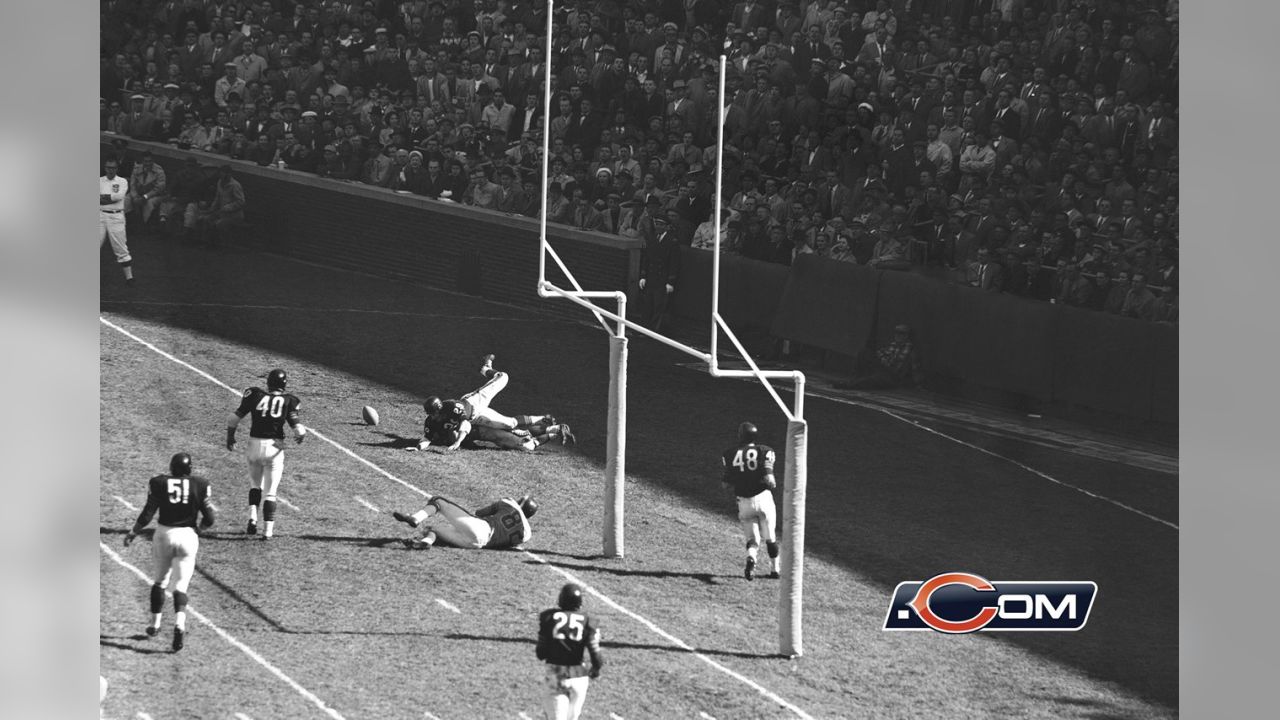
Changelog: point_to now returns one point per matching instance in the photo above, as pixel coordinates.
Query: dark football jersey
(440, 428)
(746, 466)
(269, 411)
(510, 527)
(179, 500)
(563, 636)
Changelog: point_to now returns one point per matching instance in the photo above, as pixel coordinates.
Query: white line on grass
(1029, 469)
(287, 504)
(702, 714)
(310, 696)
(366, 503)
(763, 691)
(429, 716)
(615, 716)
(242, 716)
(143, 716)
(524, 716)
(447, 606)
(219, 383)
(126, 503)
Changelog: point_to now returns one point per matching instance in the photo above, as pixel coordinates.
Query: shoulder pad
(249, 391)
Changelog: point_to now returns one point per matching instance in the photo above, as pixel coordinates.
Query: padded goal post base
(616, 449)
(791, 590)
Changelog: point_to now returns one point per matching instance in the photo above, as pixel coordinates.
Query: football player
(271, 409)
(564, 632)
(502, 524)
(180, 498)
(450, 423)
(748, 476)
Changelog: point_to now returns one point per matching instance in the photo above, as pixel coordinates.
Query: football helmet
(432, 405)
(528, 506)
(180, 465)
(570, 597)
(277, 379)
(747, 432)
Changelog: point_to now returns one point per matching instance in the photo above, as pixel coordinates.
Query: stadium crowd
(1023, 146)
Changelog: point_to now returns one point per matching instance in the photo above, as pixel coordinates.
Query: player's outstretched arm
(233, 422)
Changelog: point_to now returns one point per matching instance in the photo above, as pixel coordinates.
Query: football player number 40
(271, 405)
(568, 626)
(748, 459)
(178, 491)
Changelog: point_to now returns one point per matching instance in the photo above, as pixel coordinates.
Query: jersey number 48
(748, 459)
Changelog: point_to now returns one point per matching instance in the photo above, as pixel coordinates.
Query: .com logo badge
(959, 602)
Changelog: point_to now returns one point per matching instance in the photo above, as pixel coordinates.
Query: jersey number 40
(270, 405)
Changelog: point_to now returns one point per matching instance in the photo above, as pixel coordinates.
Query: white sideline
(366, 503)
(219, 383)
(310, 696)
(447, 605)
(763, 691)
(242, 716)
(126, 503)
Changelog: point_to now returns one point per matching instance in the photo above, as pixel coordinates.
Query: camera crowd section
(1020, 146)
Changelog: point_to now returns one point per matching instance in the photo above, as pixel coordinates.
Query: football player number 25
(568, 626)
(178, 491)
(271, 405)
(748, 459)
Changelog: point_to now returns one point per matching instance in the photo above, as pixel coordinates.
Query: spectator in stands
(211, 218)
(146, 188)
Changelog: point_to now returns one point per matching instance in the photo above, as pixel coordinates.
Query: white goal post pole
(791, 593)
(615, 463)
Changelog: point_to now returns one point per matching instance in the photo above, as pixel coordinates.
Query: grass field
(335, 619)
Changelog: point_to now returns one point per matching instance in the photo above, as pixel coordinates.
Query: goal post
(791, 561)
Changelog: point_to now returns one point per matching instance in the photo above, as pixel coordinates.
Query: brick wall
(442, 245)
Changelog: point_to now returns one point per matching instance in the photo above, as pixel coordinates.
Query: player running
(271, 410)
(179, 498)
(450, 423)
(502, 524)
(748, 474)
(564, 632)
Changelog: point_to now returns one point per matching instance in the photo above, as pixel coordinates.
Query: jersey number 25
(568, 626)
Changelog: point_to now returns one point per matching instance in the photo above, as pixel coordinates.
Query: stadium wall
(380, 232)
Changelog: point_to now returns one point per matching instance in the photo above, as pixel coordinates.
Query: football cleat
(152, 631)
(251, 528)
(179, 639)
(486, 366)
(773, 574)
(404, 518)
(415, 544)
(566, 436)
(750, 571)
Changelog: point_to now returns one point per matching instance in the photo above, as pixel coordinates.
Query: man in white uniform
(112, 190)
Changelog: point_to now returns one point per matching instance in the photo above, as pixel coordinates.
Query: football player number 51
(178, 491)
(748, 459)
(568, 626)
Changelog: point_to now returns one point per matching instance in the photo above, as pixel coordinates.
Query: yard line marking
(143, 716)
(242, 716)
(763, 691)
(234, 642)
(366, 503)
(615, 716)
(523, 716)
(126, 503)
(219, 383)
(705, 716)
(295, 308)
(429, 716)
(286, 503)
(1030, 469)
(447, 606)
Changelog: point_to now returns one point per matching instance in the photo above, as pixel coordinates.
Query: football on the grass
(370, 415)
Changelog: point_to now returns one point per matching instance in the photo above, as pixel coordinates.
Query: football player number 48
(568, 626)
(748, 459)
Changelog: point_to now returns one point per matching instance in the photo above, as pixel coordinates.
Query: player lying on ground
(502, 524)
(450, 423)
